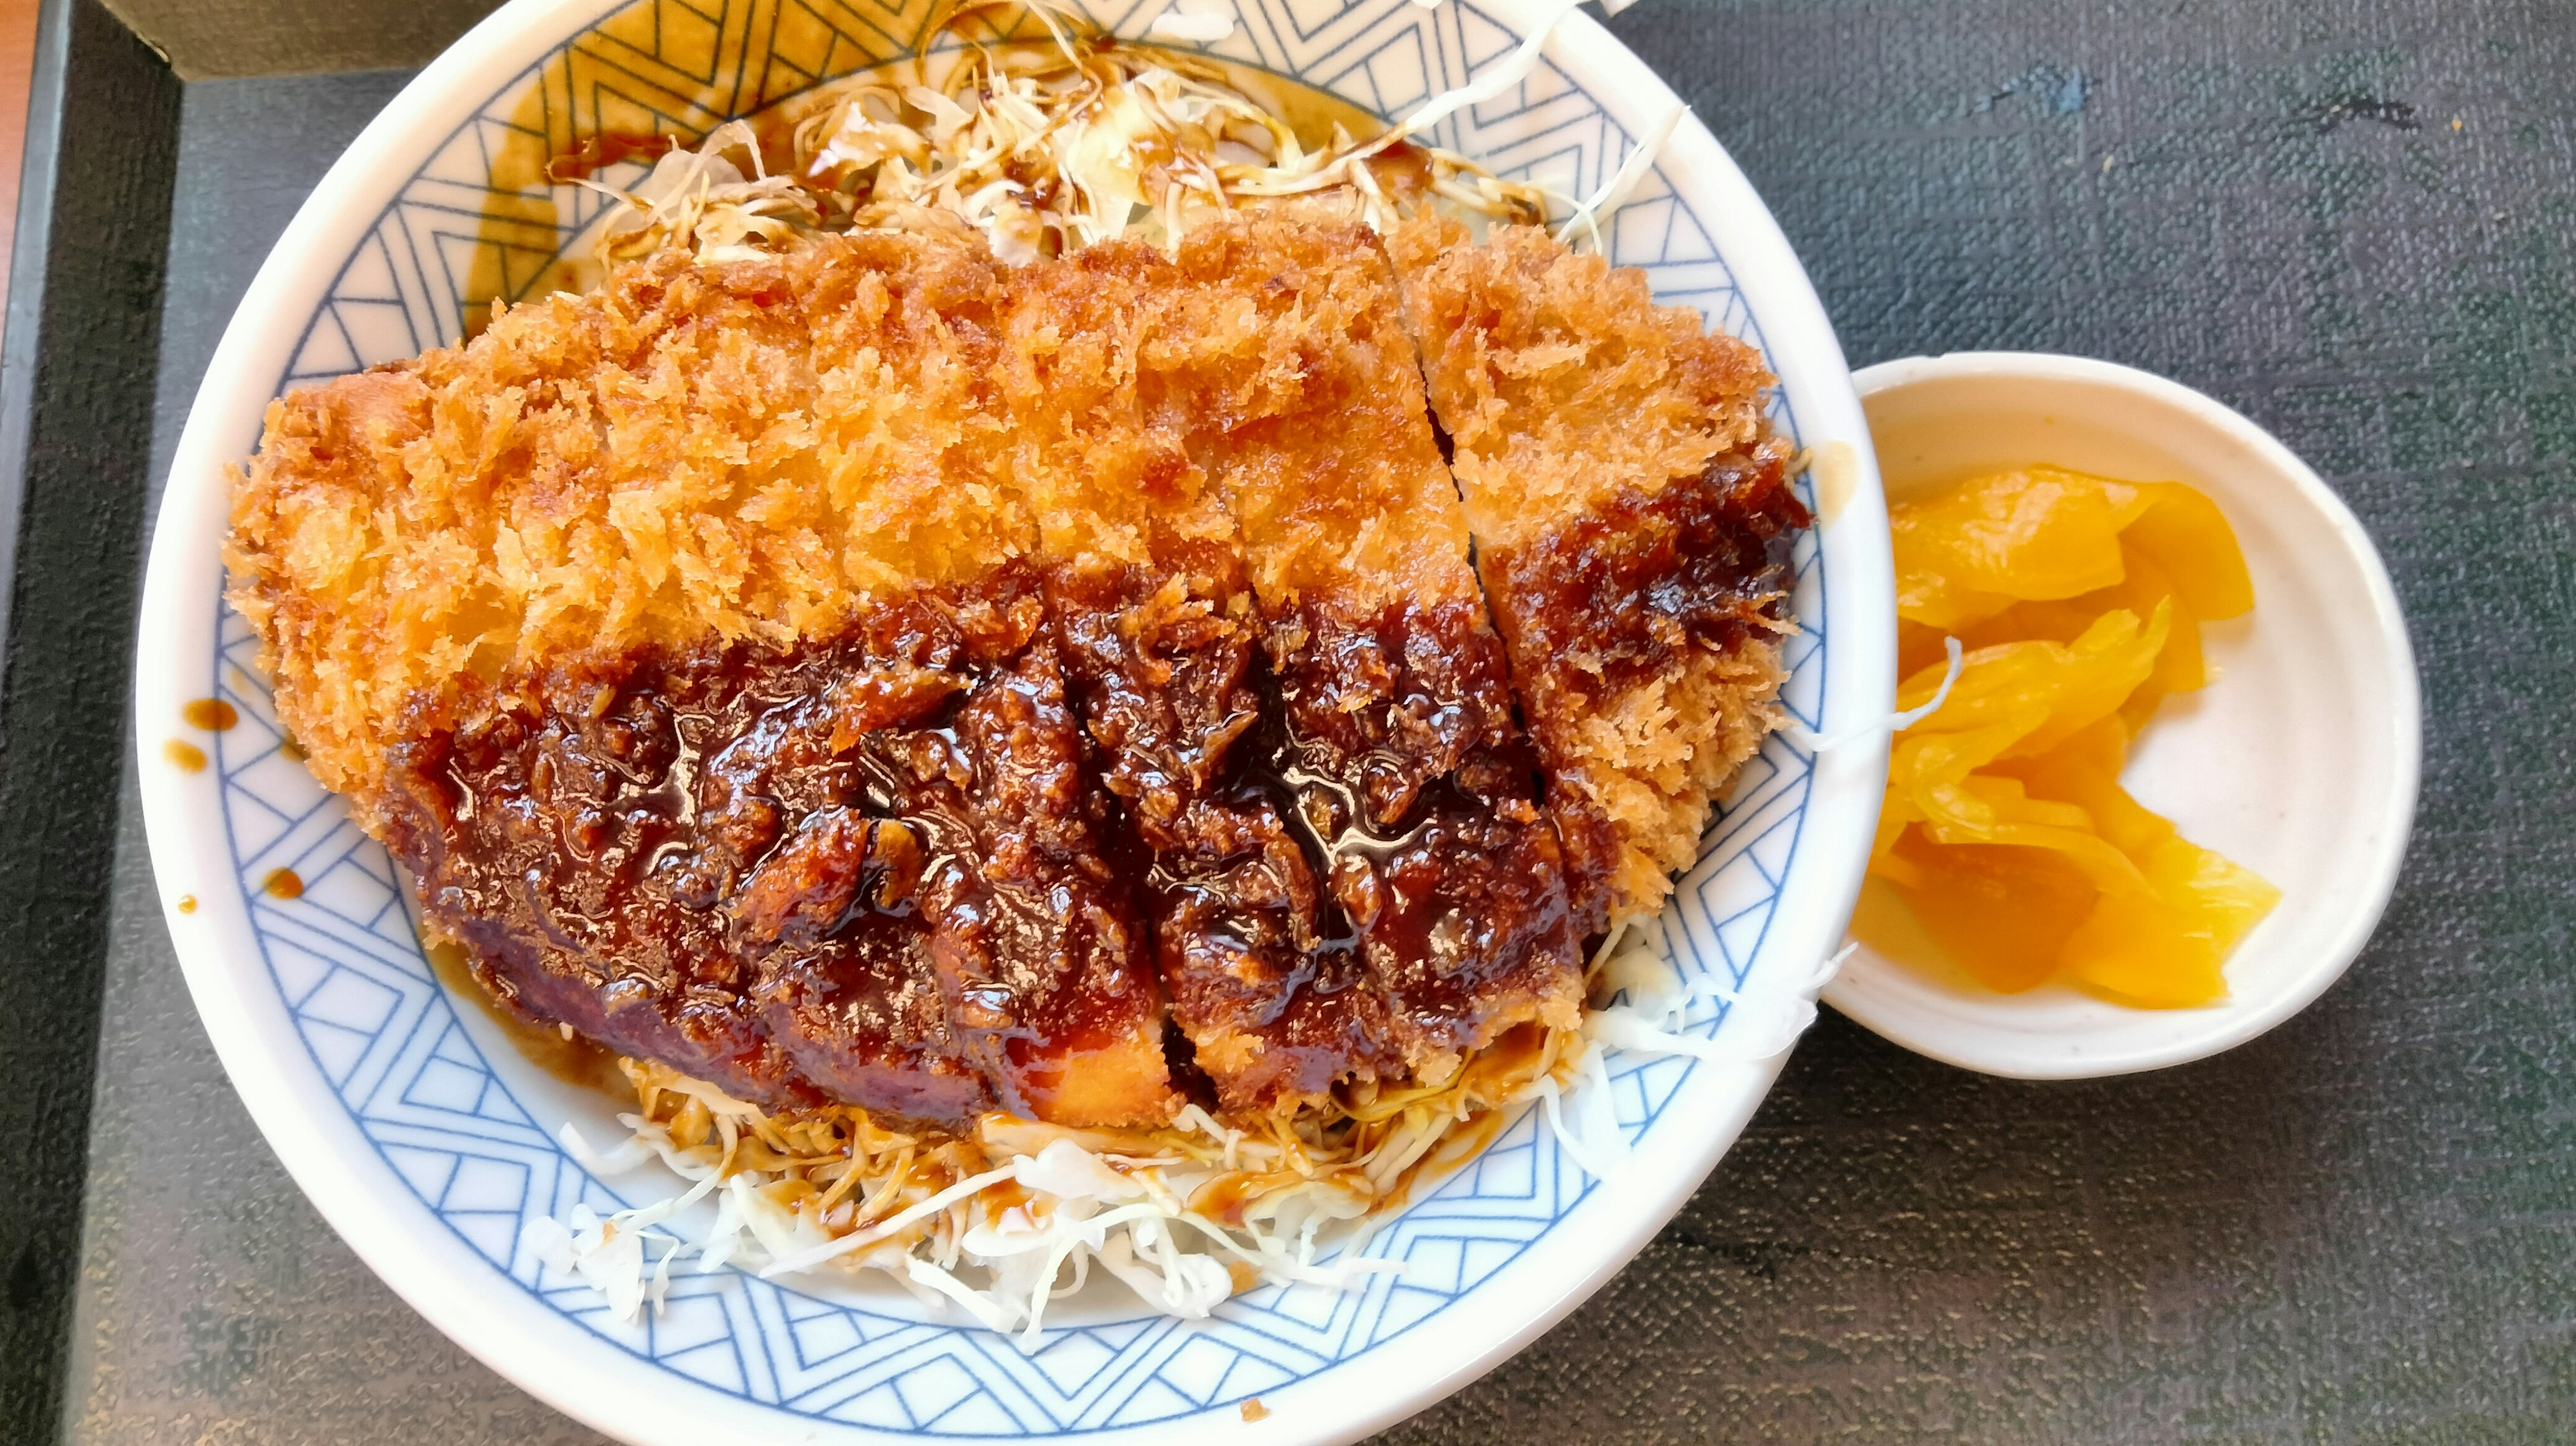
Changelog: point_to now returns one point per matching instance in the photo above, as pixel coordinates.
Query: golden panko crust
(1560, 381)
(1256, 392)
(1308, 401)
(751, 450)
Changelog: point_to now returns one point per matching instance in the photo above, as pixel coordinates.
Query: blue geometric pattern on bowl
(345, 955)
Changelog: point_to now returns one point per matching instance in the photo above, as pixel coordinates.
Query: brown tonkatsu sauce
(1413, 792)
(570, 1058)
(859, 869)
(1702, 563)
(1171, 688)
(879, 871)
(1337, 828)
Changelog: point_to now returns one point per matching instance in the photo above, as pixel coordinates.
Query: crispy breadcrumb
(1559, 380)
(1307, 406)
(1099, 437)
(750, 450)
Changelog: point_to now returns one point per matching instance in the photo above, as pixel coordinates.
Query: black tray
(2358, 226)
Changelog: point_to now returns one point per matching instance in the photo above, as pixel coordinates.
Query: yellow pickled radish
(2005, 841)
(1977, 548)
(2003, 914)
(2189, 538)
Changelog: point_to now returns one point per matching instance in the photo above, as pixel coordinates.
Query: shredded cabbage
(1047, 149)
(1896, 722)
(1013, 1218)
(1202, 29)
(1632, 170)
(1028, 1207)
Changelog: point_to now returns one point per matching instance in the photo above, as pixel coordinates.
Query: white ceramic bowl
(431, 1145)
(2299, 762)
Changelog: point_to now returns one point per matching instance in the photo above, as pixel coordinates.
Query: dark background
(2353, 221)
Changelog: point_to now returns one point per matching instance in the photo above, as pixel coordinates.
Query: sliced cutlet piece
(1042, 961)
(705, 566)
(1160, 640)
(1391, 749)
(1633, 522)
(475, 576)
(946, 819)
(1040, 941)
(646, 851)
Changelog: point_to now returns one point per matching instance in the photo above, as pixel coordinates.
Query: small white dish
(2300, 761)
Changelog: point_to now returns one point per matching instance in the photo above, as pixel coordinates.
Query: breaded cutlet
(1632, 520)
(1161, 635)
(1259, 568)
(1393, 746)
(675, 639)
(874, 673)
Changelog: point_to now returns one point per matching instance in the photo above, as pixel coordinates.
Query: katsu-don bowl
(433, 1137)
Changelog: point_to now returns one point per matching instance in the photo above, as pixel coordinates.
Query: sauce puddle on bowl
(569, 1058)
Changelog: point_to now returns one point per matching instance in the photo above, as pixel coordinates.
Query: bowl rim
(578, 1373)
(2396, 810)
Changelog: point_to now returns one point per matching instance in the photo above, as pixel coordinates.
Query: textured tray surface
(2352, 1229)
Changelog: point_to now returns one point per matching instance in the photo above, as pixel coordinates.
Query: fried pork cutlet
(673, 637)
(1632, 521)
(1161, 642)
(870, 673)
(1046, 969)
(1259, 570)
(1440, 916)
